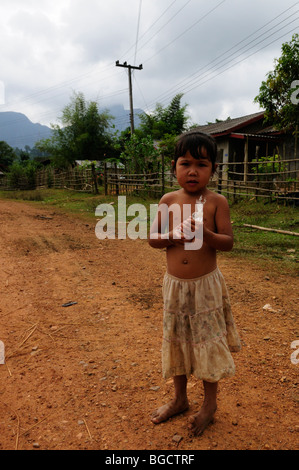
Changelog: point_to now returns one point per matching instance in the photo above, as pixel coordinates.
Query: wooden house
(246, 138)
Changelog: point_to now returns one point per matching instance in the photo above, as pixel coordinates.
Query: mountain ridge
(17, 130)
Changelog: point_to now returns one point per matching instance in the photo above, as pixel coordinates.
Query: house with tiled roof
(249, 137)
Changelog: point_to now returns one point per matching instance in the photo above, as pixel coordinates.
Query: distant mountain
(121, 116)
(18, 131)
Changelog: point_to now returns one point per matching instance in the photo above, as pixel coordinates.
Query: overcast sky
(216, 52)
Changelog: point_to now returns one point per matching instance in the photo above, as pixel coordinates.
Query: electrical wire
(186, 31)
(188, 81)
(242, 60)
(138, 25)
(191, 82)
(163, 26)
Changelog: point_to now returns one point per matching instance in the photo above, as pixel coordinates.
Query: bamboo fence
(234, 180)
(76, 179)
(278, 180)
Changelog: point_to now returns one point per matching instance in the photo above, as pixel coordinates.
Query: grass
(279, 251)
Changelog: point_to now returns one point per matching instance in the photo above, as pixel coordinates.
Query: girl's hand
(176, 236)
(183, 233)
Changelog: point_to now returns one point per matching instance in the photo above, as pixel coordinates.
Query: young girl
(198, 327)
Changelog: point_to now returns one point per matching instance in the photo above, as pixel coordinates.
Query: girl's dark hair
(193, 141)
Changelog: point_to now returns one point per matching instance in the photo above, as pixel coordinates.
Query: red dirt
(88, 376)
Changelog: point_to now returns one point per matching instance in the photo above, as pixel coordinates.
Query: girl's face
(193, 174)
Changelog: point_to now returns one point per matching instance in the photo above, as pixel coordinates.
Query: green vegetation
(171, 120)
(83, 134)
(7, 155)
(275, 94)
(278, 251)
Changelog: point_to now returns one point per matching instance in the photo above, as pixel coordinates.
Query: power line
(155, 22)
(169, 21)
(186, 30)
(242, 60)
(58, 86)
(91, 72)
(245, 58)
(188, 83)
(138, 25)
(185, 82)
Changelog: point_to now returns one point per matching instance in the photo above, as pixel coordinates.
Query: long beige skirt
(199, 331)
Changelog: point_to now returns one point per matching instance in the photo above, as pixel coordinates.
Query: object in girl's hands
(198, 215)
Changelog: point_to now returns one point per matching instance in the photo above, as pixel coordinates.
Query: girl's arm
(158, 238)
(223, 239)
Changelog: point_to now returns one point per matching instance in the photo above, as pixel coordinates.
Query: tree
(22, 174)
(7, 155)
(140, 155)
(170, 120)
(277, 93)
(82, 136)
(167, 147)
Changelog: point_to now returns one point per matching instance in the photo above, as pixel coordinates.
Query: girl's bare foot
(172, 408)
(199, 422)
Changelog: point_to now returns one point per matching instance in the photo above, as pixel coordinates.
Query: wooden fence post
(257, 172)
(234, 191)
(93, 171)
(219, 189)
(105, 179)
(246, 160)
(163, 174)
(116, 179)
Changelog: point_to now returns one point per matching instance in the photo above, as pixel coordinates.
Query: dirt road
(88, 376)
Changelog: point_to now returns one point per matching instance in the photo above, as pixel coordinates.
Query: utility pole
(130, 67)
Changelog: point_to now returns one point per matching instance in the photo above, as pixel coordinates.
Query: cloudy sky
(216, 52)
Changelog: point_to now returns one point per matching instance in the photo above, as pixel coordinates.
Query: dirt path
(88, 376)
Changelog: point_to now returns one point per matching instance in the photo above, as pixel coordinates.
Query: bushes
(22, 176)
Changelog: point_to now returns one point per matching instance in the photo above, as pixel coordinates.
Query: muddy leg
(199, 422)
(178, 405)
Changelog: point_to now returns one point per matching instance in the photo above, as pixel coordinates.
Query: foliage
(217, 121)
(22, 175)
(271, 164)
(275, 94)
(140, 154)
(167, 146)
(82, 136)
(169, 120)
(7, 155)
(29, 153)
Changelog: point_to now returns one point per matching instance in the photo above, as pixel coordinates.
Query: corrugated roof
(231, 125)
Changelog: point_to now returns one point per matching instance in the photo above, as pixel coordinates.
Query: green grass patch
(279, 251)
